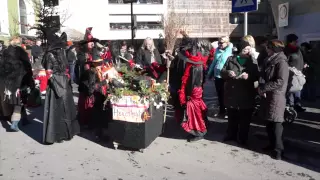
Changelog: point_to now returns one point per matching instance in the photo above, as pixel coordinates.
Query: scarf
(241, 60)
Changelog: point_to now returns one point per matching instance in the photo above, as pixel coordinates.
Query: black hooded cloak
(16, 72)
(60, 122)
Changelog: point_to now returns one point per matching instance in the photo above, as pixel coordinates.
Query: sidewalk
(303, 134)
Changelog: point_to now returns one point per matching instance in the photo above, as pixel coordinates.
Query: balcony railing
(137, 2)
(140, 26)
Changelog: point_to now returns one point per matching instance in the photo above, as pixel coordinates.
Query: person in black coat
(149, 58)
(16, 73)
(295, 59)
(275, 74)
(36, 50)
(240, 72)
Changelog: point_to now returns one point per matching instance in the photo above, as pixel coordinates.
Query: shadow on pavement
(5, 125)
(293, 154)
(35, 128)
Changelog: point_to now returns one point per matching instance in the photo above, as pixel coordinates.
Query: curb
(301, 144)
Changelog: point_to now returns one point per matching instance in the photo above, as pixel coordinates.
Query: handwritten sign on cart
(128, 109)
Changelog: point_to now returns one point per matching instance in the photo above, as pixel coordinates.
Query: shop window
(23, 17)
(140, 25)
(254, 18)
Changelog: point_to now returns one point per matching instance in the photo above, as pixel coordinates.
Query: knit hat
(242, 45)
(291, 37)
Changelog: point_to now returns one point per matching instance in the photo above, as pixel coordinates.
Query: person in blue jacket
(221, 55)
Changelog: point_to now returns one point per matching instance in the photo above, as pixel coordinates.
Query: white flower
(154, 103)
(160, 104)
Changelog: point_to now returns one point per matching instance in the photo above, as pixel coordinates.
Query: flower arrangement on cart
(137, 102)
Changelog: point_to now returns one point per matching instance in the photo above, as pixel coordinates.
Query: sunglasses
(220, 43)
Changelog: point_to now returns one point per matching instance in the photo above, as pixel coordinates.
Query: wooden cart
(135, 125)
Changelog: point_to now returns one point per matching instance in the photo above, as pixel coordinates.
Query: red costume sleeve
(185, 77)
(131, 63)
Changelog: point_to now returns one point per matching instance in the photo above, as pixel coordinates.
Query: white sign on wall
(283, 14)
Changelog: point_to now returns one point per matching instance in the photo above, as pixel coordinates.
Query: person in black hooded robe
(16, 79)
(60, 120)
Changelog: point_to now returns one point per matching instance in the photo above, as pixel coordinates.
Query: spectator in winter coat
(275, 74)
(72, 59)
(223, 52)
(295, 59)
(240, 72)
(36, 51)
(252, 43)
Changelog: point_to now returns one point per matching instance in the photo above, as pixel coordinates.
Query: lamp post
(133, 26)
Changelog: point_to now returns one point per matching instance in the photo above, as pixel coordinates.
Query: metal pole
(245, 24)
(132, 24)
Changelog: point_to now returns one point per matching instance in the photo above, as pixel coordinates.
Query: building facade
(213, 18)
(111, 19)
(15, 16)
(303, 19)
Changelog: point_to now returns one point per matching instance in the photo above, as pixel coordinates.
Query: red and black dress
(190, 94)
(92, 94)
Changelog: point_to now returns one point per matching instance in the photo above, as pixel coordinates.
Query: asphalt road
(169, 157)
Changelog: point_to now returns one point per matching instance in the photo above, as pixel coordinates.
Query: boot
(277, 155)
(299, 108)
(14, 126)
(268, 148)
(25, 121)
(195, 138)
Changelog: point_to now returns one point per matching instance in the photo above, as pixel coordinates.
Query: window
(254, 18)
(137, 2)
(140, 26)
(23, 17)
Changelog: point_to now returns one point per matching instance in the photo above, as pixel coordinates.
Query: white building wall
(4, 19)
(31, 18)
(304, 26)
(99, 14)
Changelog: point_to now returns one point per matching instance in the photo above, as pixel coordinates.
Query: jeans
(71, 71)
(294, 98)
(275, 130)
(219, 83)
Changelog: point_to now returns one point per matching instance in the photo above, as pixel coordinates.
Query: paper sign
(283, 11)
(127, 109)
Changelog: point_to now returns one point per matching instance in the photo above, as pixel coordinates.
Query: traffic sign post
(244, 6)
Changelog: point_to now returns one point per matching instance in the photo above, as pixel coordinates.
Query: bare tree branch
(173, 23)
(46, 18)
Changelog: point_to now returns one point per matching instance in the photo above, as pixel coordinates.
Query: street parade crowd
(255, 67)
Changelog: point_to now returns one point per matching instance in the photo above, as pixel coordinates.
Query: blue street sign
(244, 5)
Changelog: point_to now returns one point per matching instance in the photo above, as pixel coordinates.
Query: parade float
(137, 105)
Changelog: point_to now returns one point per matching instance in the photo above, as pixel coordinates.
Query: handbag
(297, 81)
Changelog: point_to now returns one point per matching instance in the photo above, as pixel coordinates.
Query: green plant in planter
(139, 85)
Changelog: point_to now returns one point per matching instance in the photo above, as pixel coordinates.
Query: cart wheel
(141, 150)
(115, 145)
(290, 115)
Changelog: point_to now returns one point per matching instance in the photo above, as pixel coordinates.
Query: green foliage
(155, 93)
